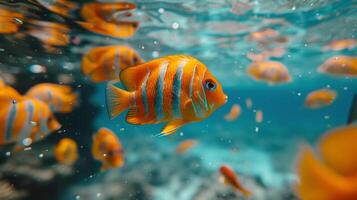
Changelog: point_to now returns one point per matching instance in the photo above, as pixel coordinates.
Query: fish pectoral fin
(172, 126)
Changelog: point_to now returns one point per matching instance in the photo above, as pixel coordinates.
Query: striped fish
(105, 63)
(29, 118)
(60, 98)
(109, 19)
(106, 148)
(176, 89)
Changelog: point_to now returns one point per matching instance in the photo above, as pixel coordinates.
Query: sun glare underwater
(178, 99)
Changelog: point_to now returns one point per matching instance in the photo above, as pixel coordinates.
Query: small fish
(66, 151)
(340, 66)
(175, 89)
(233, 113)
(338, 45)
(320, 98)
(61, 7)
(102, 18)
(60, 98)
(28, 118)
(185, 145)
(9, 21)
(50, 34)
(331, 174)
(248, 103)
(229, 177)
(267, 37)
(259, 116)
(107, 149)
(105, 63)
(269, 71)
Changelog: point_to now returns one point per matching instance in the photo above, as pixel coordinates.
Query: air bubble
(175, 25)
(27, 141)
(161, 10)
(155, 54)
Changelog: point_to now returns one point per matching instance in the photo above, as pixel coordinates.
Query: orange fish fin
(223, 180)
(133, 118)
(344, 160)
(245, 192)
(117, 100)
(131, 77)
(317, 181)
(172, 126)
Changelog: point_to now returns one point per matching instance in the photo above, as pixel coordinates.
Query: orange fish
(320, 98)
(60, 98)
(267, 36)
(249, 103)
(49, 33)
(105, 63)
(186, 145)
(10, 21)
(66, 151)
(340, 66)
(27, 119)
(259, 116)
(107, 149)
(102, 18)
(338, 45)
(175, 89)
(61, 7)
(229, 177)
(269, 71)
(332, 175)
(233, 113)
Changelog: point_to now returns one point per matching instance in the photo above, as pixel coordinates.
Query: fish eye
(136, 59)
(210, 85)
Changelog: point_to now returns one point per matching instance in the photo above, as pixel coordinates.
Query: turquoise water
(215, 32)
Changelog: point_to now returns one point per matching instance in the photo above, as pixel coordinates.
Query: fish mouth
(225, 99)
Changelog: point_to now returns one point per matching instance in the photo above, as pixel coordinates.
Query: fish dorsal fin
(132, 77)
(344, 140)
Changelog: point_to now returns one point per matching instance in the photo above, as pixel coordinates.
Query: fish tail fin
(245, 192)
(118, 100)
(316, 180)
(353, 111)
